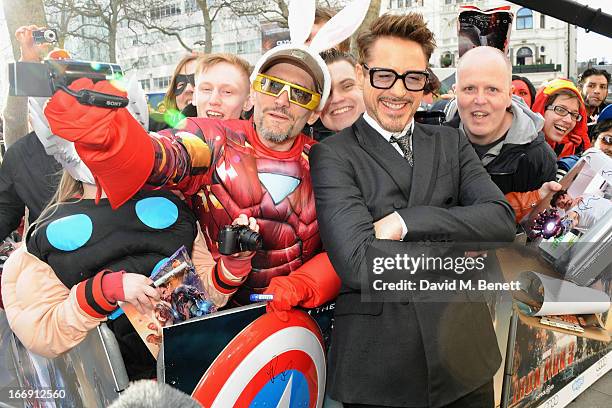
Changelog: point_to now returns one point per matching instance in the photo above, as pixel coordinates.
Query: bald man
(505, 133)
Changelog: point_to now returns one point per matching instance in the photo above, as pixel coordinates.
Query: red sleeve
(91, 299)
(522, 203)
(184, 156)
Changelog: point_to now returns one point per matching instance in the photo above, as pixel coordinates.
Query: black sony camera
(44, 79)
(238, 238)
(44, 36)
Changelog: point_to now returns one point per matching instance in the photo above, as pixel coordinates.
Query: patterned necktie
(404, 143)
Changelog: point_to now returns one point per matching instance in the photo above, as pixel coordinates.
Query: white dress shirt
(387, 135)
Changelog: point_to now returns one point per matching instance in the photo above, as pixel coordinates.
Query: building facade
(151, 56)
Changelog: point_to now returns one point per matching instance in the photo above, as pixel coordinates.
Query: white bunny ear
(341, 26)
(138, 103)
(300, 20)
(62, 150)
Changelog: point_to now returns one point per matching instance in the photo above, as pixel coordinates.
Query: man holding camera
(258, 168)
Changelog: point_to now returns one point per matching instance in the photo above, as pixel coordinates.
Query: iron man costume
(227, 171)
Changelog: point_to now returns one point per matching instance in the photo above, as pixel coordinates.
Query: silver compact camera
(44, 36)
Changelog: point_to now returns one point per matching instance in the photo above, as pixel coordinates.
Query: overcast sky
(591, 45)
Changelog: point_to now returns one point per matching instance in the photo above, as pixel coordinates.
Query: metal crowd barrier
(90, 375)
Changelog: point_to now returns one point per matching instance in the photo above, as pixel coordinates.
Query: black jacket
(521, 168)
(419, 353)
(592, 121)
(28, 178)
(318, 131)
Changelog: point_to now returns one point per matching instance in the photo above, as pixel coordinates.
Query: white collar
(385, 133)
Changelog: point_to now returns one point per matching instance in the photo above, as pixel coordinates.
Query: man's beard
(275, 136)
(392, 124)
(272, 136)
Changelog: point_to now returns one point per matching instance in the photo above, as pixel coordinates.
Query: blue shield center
(288, 389)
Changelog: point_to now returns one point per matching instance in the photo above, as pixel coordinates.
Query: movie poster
(182, 297)
(484, 27)
(545, 361)
(273, 35)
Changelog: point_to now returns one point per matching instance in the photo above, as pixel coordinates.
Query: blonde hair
(67, 189)
(209, 60)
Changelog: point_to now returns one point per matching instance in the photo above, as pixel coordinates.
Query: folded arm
(347, 226)
(482, 214)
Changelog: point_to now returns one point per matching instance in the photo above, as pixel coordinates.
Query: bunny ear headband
(301, 20)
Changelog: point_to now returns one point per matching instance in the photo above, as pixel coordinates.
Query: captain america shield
(268, 364)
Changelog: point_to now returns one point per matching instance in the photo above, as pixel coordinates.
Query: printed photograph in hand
(182, 297)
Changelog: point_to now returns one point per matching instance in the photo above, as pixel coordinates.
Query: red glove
(311, 285)
(115, 147)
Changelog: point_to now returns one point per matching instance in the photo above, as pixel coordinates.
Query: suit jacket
(411, 353)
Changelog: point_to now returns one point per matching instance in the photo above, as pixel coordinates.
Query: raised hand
(113, 145)
(31, 52)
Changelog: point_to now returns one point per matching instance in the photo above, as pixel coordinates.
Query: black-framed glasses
(182, 80)
(385, 78)
(561, 111)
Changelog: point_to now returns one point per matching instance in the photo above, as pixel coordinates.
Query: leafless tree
(274, 11)
(17, 14)
(98, 21)
(372, 14)
(95, 21)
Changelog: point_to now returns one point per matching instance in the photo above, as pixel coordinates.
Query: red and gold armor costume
(227, 171)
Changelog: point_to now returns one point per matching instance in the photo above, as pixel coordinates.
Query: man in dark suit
(386, 180)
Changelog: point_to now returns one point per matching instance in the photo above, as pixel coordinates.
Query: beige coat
(46, 316)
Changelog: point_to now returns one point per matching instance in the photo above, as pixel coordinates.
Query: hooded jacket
(523, 161)
(577, 140)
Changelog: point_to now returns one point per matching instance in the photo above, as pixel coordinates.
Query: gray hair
(152, 394)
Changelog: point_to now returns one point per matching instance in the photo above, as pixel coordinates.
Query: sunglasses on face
(298, 95)
(385, 78)
(182, 81)
(561, 111)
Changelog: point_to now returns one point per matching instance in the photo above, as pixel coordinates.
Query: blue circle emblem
(70, 233)
(288, 389)
(157, 212)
